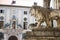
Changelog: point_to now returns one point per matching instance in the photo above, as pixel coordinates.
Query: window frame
(25, 25)
(25, 12)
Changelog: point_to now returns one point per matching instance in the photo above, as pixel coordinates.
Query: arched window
(25, 25)
(13, 38)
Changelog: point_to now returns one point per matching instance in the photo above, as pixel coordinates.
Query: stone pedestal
(43, 34)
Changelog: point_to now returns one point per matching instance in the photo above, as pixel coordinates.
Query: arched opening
(13, 38)
(54, 23)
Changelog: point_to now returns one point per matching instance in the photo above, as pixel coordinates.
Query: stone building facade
(56, 4)
(14, 21)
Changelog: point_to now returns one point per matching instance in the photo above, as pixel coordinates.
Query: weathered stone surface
(47, 15)
(51, 34)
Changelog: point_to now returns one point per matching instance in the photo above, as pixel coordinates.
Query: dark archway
(13, 38)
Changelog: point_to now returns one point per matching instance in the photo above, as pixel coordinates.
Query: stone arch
(12, 38)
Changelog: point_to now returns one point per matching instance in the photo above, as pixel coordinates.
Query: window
(25, 25)
(25, 12)
(25, 19)
(13, 2)
(1, 11)
(24, 35)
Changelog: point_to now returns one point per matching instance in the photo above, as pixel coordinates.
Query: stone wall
(43, 34)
